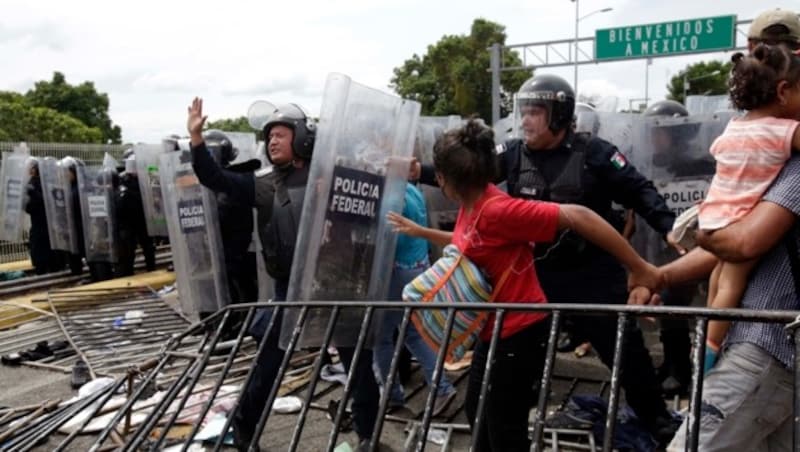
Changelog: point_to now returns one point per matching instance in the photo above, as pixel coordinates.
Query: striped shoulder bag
(452, 278)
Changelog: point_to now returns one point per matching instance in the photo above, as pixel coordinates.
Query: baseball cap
(767, 19)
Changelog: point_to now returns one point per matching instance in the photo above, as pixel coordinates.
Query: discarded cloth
(589, 413)
(334, 373)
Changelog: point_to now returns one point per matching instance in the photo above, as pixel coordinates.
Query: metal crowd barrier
(14, 251)
(150, 434)
(88, 152)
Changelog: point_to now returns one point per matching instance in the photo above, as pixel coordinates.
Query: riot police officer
(553, 163)
(277, 193)
(673, 154)
(675, 157)
(44, 258)
(132, 225)
(235, 223)
(75, 260)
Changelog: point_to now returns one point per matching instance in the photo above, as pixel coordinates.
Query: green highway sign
(677, 37)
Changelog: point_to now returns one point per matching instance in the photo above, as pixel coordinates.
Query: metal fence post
(616, 375)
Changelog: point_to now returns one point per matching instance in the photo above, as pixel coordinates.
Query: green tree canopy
(239, 124)
(82, 102)
(701, 80)
(453, 77)
(19, 121)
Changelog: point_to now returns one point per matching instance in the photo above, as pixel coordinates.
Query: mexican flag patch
(618, 160)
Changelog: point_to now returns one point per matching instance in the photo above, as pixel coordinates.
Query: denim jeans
(258, 327)
(384, 345)
(747, 404)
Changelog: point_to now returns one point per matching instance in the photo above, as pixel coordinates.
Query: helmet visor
(530, 103)
(259, 113)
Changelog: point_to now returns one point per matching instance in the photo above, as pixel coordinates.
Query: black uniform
(132, 227)
(236, 227)
(43, 257)
(278, 198)
(591, 172)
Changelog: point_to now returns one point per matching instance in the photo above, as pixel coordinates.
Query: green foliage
(239, 124)
(12, 97)
(82, 102)
(453, 77)
(20, 121)
(700, 80)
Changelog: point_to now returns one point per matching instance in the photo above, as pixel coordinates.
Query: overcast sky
(151, 56)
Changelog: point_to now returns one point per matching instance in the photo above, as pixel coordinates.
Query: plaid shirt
(771, 285)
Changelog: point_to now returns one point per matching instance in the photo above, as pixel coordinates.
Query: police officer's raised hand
(195, 121)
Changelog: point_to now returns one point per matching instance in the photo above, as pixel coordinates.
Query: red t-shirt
(503, 234)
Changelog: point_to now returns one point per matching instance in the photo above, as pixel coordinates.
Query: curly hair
(754, 78)
(466, 156)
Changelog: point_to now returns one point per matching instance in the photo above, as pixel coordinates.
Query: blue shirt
(771, 285)
(412, 250)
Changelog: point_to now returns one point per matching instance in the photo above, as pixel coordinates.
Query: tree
(82, 102)
(452, 77)
(700, 80)
(240, 124)
(11, 96)
(19, 121)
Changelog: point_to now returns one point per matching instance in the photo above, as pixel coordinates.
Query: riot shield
(110, 162)
(619, 129)
(587, 122)
(345, 248)
(674, 154)
(504, 129)
(193, 225)
(14, 178)
(97, 209)
(442, 212)
(708, 105)
(58, 205)
(245, 144)
(147, 169)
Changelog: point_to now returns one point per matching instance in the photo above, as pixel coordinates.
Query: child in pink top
(749, 154)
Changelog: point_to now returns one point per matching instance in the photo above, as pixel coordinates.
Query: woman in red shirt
(495, 230)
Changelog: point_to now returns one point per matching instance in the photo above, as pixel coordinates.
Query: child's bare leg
(727, 290)
(713, 283)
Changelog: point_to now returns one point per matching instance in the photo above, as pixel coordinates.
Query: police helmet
(170, 143)
(71, 162)
(130, 165)
(671, 131)
(305, 130)
(554, 94)
(586, 120)
(582, 107)
(220, 146)
(666, 107)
